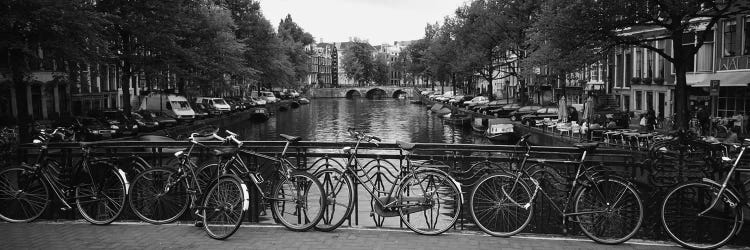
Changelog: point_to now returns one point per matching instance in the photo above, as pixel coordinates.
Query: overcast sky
(379, 21)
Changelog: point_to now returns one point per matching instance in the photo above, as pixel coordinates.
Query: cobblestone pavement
(79, 235)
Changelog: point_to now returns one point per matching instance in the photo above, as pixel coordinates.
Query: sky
(378, 21)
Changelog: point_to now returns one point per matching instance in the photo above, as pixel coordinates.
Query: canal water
(327, 120)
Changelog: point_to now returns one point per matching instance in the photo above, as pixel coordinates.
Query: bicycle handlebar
(362, 136)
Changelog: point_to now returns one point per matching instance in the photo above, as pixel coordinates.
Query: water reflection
(329, 119)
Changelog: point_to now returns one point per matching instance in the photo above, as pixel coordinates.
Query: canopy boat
(259, 114)
(498, 131)
(458, 120)
(479, 124)
(439, 109)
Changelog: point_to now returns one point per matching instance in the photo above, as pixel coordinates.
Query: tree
(599, 24)
(358, 61)
(380, 70)
(294, 40)
(67, 31)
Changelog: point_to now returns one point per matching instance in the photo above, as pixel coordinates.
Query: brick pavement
(79, 235)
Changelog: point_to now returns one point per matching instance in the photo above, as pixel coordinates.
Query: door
(660, 105)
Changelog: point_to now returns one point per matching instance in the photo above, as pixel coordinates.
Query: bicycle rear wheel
(496, 204)
(431, 202)
(157, 196)
(609, 212)
(101, 197)
(679, 216)
(224, 207)
(24, 195)
(298, 202)
(339, 199)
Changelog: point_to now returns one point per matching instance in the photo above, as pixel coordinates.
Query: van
(172, 105)
(268, 96)
(215, 102)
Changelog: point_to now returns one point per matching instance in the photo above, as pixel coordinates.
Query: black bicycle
(96, 186)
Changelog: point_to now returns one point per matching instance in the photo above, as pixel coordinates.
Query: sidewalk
(80, 235)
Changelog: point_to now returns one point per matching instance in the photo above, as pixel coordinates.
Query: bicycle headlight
(37, 141)
(179, 153)
(347, 150)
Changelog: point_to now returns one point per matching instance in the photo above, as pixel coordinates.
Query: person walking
(651, 119)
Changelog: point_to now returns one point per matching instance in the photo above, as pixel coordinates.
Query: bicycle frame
(235, 161)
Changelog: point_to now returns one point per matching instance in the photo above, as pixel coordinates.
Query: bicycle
(161, 195)
(427, 200)
(294, 193)
(501, 203)
(96, 186)
(705, 214)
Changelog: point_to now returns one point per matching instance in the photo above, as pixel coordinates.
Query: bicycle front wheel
(609, 211)
(298, 202)
(24, 195)
(500, 205)
(339, 199)
(100, 197)
(682, 222)
(158, 196)
(224, 207)
(430, 202)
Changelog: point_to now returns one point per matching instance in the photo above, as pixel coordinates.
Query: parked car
(257, 101)
(460, 100)
(445, 97)
(516, 114)
(210, 111)
(123, 124)
(454, 100)
(483, 108)
(268, 96)
(145, 123)
(530, 119)
(503, 111)
(476, 101)
(199, 112)
(87, 128)
(214, 102)
(163, 119)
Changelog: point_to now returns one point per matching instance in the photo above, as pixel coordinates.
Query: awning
(728, 79)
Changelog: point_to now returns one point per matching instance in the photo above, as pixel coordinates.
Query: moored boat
(294, 104)
(500, 132)
(458, 120)
(303, 101)
(259, 114)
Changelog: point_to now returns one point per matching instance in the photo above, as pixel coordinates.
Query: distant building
(320, 65)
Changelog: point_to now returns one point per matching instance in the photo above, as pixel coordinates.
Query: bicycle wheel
(298, 202)
(431, 202)
(24, 195)
(224, 207)
(609, 212)
(496, 205)
(157, 196)
(682, 222)
(339, 199)
(100, 198)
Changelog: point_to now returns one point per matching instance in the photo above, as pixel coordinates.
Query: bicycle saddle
(405, 145)
(223, 151)
(291, 138)
(587, 146)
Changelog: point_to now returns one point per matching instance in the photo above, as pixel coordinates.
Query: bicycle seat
(291, 138)
(405, 145)
(587, 146)
(222, 152)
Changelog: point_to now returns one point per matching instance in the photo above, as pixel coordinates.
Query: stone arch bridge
(371, 92)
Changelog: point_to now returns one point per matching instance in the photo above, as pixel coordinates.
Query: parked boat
(458, 120)
(479, 125)
(294, 104)
(498, 131)
(416, 101)
(259, 114)
(439, 109)
(283, 106)
(303, 101)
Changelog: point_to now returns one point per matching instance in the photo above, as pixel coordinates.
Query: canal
(327, 120)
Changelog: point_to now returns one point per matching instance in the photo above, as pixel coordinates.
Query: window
(595, 72)
(730, 35)
(704, 59)
(638, 100)
(626, 102)
(638, 62)
(747, 36)
(618, 72)
(650, 55)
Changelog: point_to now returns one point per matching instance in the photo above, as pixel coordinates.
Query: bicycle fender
(124, 179)
(245, 194)
(730, 190)
(458, 184)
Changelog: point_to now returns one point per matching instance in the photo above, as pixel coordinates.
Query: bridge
(371, 92)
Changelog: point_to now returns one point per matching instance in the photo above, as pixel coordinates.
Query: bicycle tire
(339, 199)
(157, 209)
(31, 195)
(489, 200)
(288, 199)
(411, 191)
(681, 206)
(599, 193)
(101, 201)
(224, 207)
